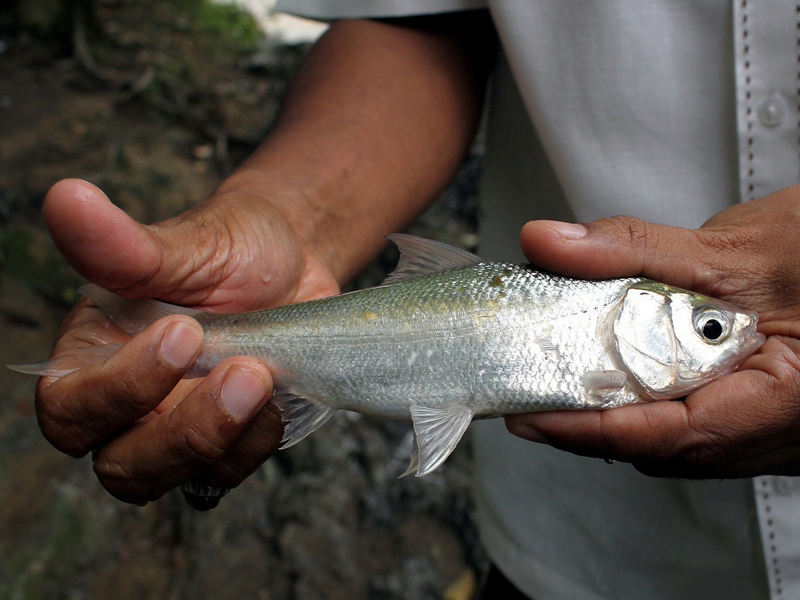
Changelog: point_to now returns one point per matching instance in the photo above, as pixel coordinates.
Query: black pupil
(712, 329)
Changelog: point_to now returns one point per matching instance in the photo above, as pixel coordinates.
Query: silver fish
(448, 338)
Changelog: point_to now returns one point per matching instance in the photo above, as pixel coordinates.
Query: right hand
(148, 429)
(745, 423)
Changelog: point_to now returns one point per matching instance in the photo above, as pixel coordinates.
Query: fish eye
(712, 329)
(712, 324)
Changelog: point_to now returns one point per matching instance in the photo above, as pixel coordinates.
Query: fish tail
(66, 364)
(130, 315)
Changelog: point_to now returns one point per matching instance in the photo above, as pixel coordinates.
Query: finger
(726, 429)
(625, 246)
(79, 411)
(626, 433)
(253, 447)
(217, 256)
(99, 239)
(180, 262)
(257, 442)
(155, 456)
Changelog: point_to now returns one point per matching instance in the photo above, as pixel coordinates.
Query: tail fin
(131, 316)
(66, 364)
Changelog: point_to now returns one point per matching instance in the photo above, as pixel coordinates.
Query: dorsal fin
(419, 256)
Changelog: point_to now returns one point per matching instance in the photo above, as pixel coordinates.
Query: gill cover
(645, 338)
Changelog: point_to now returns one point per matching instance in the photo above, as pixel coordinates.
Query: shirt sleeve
(326, 10)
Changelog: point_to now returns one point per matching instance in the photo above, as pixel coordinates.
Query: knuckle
(62, 429)
(705, 454)
(69, 445)
(127, 396)
(637, 232)
(122, 483)
(642, 239)
(709, 445)
(695, 449)
(730, 241)
(227, 475)
(609, 440)
(721, 265)
(76, 419)
(685, 460)
(194, 445)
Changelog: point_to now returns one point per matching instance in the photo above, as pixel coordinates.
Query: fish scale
(479, 334)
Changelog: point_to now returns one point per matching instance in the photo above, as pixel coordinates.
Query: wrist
(291, 206)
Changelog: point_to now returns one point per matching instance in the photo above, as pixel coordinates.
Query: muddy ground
(156, 107)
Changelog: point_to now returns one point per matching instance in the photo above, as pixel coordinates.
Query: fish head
(673, 341)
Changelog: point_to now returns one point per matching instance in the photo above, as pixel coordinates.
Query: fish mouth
(752, 338)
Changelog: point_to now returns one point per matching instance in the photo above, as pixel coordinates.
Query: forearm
(371, 130)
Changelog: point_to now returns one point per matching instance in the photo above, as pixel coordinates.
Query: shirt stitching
(772, 545)
(797, 49)
(748, 94)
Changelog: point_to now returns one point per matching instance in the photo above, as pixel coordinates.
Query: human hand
(149, 430)
(744, 424)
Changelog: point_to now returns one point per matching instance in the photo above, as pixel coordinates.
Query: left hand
(148, 429)
(744, 424)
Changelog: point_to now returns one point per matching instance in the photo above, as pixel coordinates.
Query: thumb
(624, 246)
(217, 256)
(98, 239)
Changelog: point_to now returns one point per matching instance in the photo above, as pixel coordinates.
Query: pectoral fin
(604, 382)
(601, 385)
(437, 433)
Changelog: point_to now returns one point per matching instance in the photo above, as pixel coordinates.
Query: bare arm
(373, 128)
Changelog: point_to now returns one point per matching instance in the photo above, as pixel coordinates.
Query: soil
(158, 111)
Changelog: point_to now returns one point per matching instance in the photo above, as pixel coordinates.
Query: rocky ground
(156, 108)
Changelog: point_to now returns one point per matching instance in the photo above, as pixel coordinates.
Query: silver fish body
(500, 338)
(448, 338)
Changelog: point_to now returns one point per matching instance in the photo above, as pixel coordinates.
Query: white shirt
(670, 111)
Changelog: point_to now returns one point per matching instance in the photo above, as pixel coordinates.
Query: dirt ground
(163, 105)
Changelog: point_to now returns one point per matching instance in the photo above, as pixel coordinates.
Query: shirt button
(772, 111)
(786, 486)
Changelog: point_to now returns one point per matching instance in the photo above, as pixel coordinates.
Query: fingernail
(569, 231)
(242, 392)
(180, 344)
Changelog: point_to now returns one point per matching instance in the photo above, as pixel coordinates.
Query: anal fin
(301, 416)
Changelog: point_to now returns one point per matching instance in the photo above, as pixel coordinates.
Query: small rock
(203, 151)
